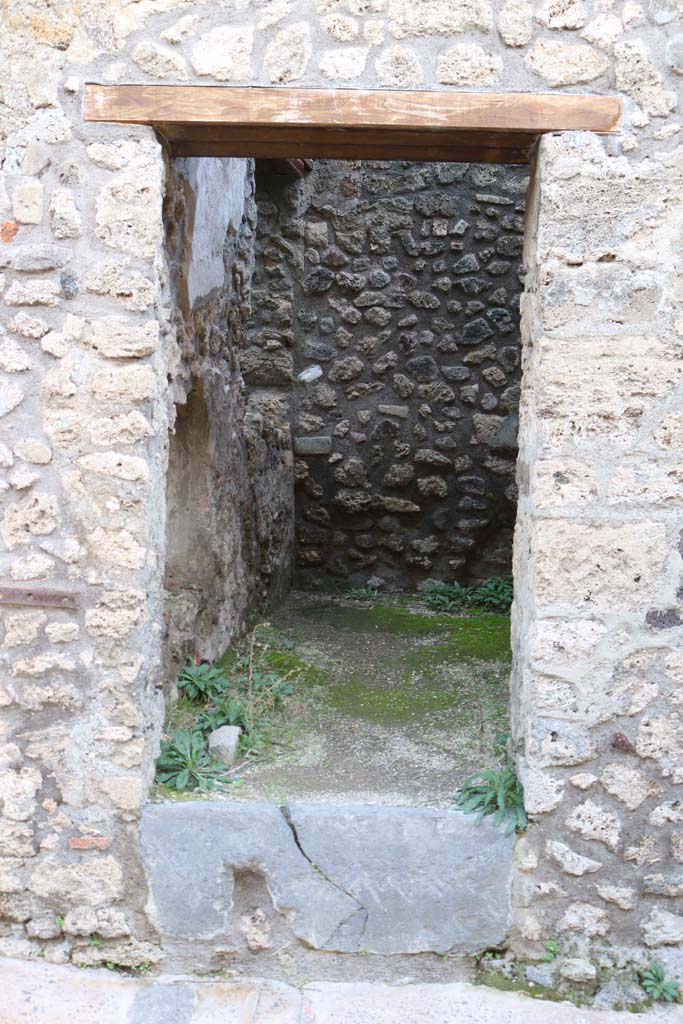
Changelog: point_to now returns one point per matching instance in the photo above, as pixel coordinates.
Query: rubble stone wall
(401, 338)
(87, 355)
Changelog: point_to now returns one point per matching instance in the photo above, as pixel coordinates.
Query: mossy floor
(394, 704)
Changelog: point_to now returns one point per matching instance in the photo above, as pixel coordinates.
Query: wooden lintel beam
(351, 108)
(346, 123)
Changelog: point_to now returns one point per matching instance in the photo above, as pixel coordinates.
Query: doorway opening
(353, 333)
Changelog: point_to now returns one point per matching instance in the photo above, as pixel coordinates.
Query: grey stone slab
(312, 445)
(162, 1004)
(190, 852)
(428, 879)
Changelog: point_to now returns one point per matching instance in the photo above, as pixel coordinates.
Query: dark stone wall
(392, 311)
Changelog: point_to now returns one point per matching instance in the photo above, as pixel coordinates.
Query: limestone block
(661, 737)
(34, 566)
(37, 156)
(224, 53)
(37, 257)
(598, 565)
(126, 428)
(128, 211)
(117, 547)
(591, 821)
(542, 792)
(62, 632)
(27, 202)
(577, 969)
(437, 17)
(23, 628)
(35, 516)
(11, 395)
(343, 65)
(106, 922)
(181, 29)
(559, 63)
(287, 55)
(33, 450)
(568, 860)
(622, 896)
(125, 386)
(43, 664)
(274, 12)
(628, 784)
(570, 14)
(115, 278)
(27, 326)
(558, 742)
(638, 77)
(340, 27)
(159, 61)
(398, 67)
(33, 293)
(469, 64)
(662, 928)
(122, 338)
(65, 219)
(91, 882)
(125, 791)
(18, 790)
(585, 919)
(515, 22)
(116, 614)
(223, 743)
(603, 31)
(13, 358)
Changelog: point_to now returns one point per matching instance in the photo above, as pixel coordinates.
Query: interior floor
(396, 704)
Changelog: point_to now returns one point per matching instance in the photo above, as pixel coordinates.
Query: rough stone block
(312, 445)
(223, 743)
(382, 879)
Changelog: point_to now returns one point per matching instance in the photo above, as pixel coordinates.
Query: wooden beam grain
(211, 120)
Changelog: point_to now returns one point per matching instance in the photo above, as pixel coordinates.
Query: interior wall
(393, 312)
(224, 557)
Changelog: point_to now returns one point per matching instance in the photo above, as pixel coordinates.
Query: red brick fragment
(90, 842)
(8, 230)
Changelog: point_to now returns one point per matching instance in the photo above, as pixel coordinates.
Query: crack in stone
(316, 867)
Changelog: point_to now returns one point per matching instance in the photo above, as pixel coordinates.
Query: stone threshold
(40, 993)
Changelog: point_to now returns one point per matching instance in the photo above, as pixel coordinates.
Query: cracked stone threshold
(360, 909)
(34, 992)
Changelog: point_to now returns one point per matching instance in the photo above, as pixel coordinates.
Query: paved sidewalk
(37, 993)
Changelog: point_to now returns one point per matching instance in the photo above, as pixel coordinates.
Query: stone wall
(598, 558)
(229, 526)
(407, 321)
(85, 406)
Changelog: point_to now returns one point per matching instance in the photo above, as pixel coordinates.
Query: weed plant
(494, 595)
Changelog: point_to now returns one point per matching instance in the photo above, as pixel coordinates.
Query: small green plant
(185, 764)
(59, 922)
(552, 948)
(496, 791)
(361, 594)
(654, 981)
(252, 693)
(494, 595)
(446, 597)
(96, 942)
(200, 681)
